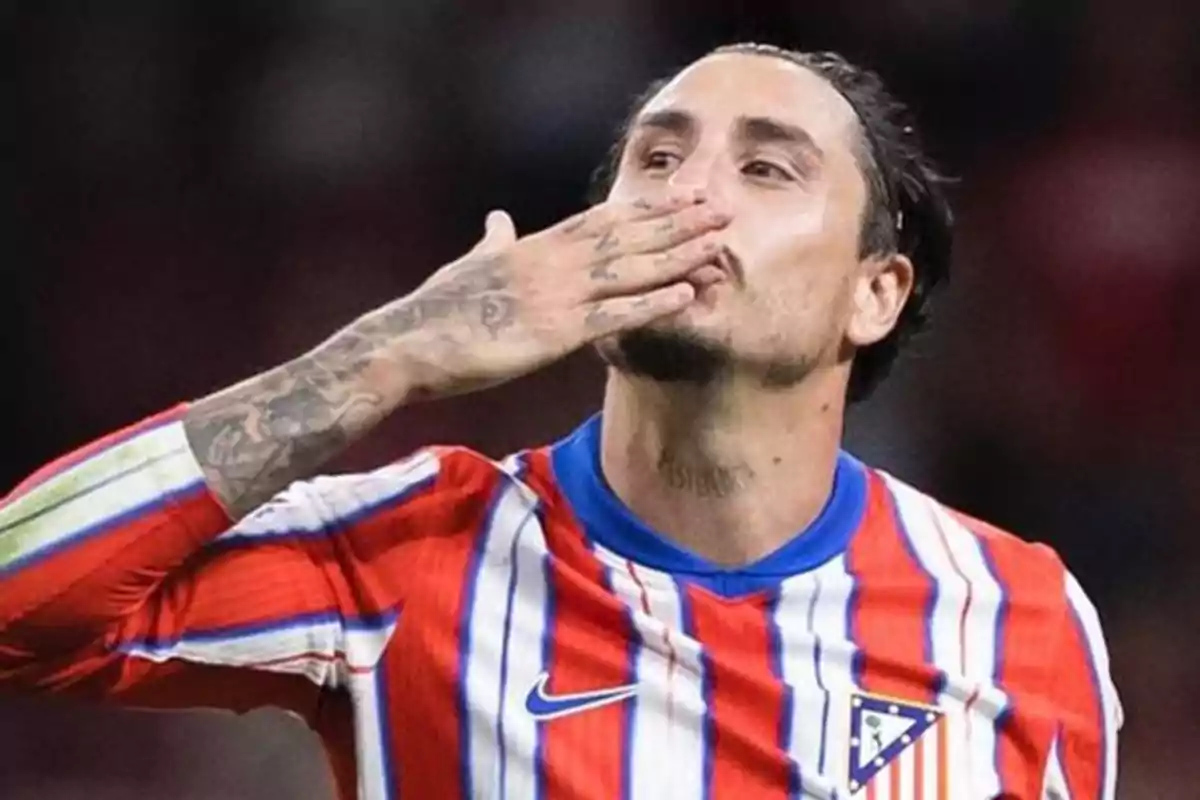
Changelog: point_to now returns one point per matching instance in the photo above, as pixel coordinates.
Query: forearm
(254, 438)
(504, 309)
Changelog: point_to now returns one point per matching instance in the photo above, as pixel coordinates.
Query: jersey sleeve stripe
(312, 645)
(142, 473)
(57, 502)
(60, 467)
(40, 543)
(346, 501)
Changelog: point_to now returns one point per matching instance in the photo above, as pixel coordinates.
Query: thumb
(499, 232)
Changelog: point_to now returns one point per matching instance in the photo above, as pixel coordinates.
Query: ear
(880, 292)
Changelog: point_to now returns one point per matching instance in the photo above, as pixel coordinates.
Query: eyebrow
(680, 123)
(751, 129)
(766, 130)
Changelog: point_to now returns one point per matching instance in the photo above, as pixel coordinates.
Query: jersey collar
(606, 520)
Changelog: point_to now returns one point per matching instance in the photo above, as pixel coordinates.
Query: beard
(666, 356)
(682, 357)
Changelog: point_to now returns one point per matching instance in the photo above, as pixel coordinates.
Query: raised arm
(160, 536)
(506, 308)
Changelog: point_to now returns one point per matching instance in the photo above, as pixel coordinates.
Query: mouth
(730, 264)
(724, 267)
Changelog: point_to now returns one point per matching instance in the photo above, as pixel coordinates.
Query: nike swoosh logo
(544, 706)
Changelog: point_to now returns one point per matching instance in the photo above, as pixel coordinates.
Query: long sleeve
(121, 578)
(1082, 763)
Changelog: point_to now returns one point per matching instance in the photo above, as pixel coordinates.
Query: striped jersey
(455, 627)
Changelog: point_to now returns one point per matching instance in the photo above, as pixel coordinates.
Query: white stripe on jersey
(1110, 704)
(317, 648)
(964, 624)
(830, 627)
(134, 474)
(1054, 782)
(313, 506)
(370, 750)
(505, 647)
(667, 744)
(801, 652)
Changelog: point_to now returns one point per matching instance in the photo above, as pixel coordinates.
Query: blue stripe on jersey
(383, 708)
(708, 725)
(183, 494)
(812, 612)
(464, 638)
(784, 733)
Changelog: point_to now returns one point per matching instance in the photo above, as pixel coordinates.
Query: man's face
(774, 145)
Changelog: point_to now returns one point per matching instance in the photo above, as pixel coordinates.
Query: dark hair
(905, 211)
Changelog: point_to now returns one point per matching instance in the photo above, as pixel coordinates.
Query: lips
(729, 264)
(724, 266)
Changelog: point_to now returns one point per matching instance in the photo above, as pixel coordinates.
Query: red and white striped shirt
(454, 627)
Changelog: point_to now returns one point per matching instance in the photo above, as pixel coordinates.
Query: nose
(704, 171)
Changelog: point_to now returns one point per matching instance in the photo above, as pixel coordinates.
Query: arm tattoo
(256, 437)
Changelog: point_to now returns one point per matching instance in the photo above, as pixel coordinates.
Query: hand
(512, 305)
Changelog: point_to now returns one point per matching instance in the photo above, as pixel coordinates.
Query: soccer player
(697, 594)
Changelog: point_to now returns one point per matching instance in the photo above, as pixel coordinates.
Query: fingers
(623, 313)
(658, 234)
(611, 277)
(597, 220)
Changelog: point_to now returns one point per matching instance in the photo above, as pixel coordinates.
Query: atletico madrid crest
(897, 749)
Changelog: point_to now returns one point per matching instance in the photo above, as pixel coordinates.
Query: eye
(767, 170)
(658, 160)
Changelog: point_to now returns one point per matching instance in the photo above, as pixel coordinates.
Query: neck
(730, 473)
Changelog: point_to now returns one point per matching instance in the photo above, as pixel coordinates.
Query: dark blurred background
(204, 189)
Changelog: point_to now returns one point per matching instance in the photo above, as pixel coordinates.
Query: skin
(729, 462)
(504, 309)
(733, 464)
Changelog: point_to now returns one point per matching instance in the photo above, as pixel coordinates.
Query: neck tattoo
(703, 480)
